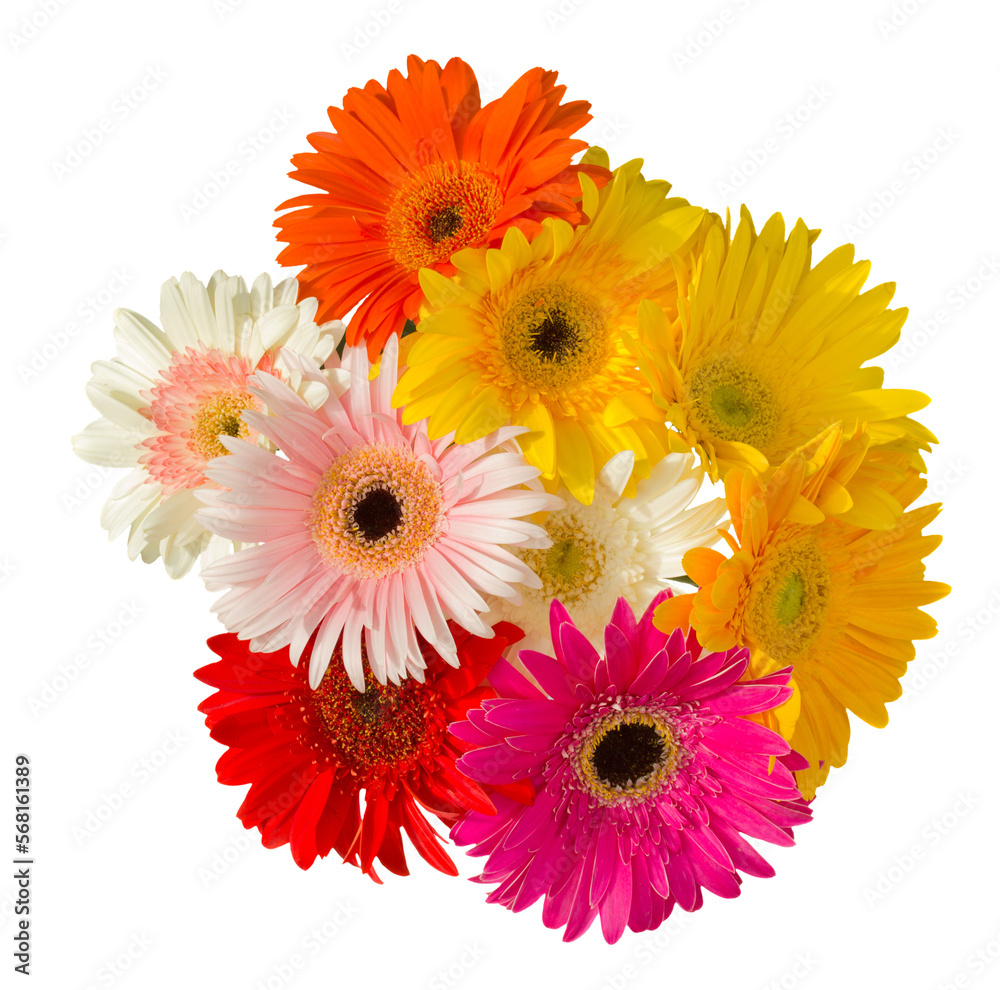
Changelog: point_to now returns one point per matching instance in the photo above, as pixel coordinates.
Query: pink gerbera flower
(645, 773)
(366, 529)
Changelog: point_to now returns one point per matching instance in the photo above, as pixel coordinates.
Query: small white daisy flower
(616, 547)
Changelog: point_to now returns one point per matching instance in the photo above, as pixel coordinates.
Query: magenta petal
(577, 652)
(651, 676)
(706, 840)
(657, 873)
(561, 897)
(538, 878)
(675, 644)
(617, 901)
(509, 682)
(572, 888)
(779, 783)
(641, 909)
(716, 878)
(510, 885)
(553, 676)
(748, 820)
(795, 761)
(534, 715)
(681, 880)
(651, 639)
(478, 718)
(531, 824)
(743, 855)
(620, 658)
(748, 698)
(557, 617)
(742, 734)
(471, 733)
(624, 618)
(679, 667)
(534, 742)
(496, 764)
(606, 854)
(484, 832)
(712, 675)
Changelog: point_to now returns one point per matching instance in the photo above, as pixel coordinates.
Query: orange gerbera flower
(417, 170)
(809, 584)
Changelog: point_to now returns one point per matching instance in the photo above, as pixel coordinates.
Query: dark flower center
(627, 753)
(555, 338)
(444, 223)
(372, 731)
(368, 706)
(376, 514)
(229, 426)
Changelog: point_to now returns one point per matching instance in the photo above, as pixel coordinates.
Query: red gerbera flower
(417, 170)
(308, 754)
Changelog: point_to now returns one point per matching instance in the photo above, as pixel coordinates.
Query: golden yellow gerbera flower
(767, 350)
(807, 586)
(537, 333)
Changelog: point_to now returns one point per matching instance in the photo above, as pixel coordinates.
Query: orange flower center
(376, 511)
(445, 207)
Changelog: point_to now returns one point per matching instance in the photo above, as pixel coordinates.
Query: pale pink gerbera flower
(645, 771)
(366, 528)
(172, 393)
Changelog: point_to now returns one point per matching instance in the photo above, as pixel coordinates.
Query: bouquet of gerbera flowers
(472, 574)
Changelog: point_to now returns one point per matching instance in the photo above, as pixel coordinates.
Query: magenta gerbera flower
(367, 531)
(646, 773)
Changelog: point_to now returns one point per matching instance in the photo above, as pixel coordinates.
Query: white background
(169, 873)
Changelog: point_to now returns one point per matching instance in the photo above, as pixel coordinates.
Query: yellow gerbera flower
(537, 333)
(807, 586)
(767, 350)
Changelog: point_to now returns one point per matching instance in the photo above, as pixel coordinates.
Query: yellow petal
(487, 412)
(575, 459)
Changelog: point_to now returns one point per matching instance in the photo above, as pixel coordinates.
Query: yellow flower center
(575, 563)
(564, 560)
(445, 207)
(220, 415)
(789, 599)
(732, 403)
(628, 755)
(376, 511)
(554, 337)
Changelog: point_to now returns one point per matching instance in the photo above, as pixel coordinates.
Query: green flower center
(790, 599)
(732, 403)
(565, 559)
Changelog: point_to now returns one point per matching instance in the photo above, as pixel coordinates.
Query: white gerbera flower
(170, 394)
(614, 547)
